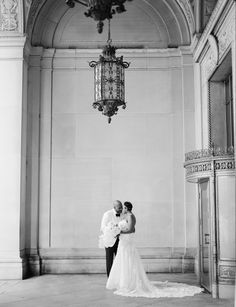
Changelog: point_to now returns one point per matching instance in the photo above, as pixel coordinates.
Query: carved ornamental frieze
(9, 17)
(212, 57)
(198, 168)
(206, 162)
(227, 272)
(188, 11)
(218, 43)
(226, 37)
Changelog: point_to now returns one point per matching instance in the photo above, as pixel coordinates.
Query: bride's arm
(131, 224)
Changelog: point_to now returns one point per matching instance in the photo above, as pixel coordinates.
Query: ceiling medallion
(100, 10)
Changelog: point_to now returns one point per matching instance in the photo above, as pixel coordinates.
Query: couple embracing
(125, 271)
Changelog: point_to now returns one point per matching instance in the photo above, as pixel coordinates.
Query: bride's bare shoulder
(132, 218)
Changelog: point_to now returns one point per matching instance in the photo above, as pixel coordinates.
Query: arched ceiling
(145, 24)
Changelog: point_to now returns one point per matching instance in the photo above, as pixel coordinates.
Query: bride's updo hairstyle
(128, 205)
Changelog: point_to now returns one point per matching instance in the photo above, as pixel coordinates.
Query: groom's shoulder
(108, 212)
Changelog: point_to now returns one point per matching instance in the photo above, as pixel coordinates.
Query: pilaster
(46, 91)
(13, 125)
(32, 188)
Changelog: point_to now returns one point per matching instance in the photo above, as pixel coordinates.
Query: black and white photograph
(117, 155)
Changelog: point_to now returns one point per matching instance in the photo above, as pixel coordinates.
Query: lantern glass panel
(109, 81)
(97, 80)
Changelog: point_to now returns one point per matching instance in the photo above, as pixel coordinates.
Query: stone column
(13, 114)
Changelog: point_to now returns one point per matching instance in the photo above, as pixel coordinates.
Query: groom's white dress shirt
(110, 216)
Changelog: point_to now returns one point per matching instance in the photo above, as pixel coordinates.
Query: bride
(127, 274)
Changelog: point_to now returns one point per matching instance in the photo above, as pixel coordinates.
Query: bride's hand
(128, 231)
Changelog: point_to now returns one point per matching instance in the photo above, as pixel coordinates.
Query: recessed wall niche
(221, 123)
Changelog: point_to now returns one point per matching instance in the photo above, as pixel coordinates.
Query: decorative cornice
(12, 41)
(12, 47)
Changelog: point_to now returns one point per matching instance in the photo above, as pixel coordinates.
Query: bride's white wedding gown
(128, 277)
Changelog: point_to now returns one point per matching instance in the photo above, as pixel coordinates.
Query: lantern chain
(109, 40)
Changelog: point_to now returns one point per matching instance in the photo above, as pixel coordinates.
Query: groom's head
(117, 206)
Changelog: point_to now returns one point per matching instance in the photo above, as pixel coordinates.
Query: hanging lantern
(109, 81)
(109, 70)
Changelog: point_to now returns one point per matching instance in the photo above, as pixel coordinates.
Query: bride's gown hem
(128, 277)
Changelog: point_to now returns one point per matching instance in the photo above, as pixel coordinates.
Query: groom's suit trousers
(110, 253)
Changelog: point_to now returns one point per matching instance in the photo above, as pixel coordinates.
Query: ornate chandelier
(109, 80)
(100, 10)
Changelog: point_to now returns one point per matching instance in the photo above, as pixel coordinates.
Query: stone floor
(89, 290)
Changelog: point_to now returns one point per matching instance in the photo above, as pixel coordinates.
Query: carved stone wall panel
(226, 36)
(225, 165)
(214, 47)
(209, 29)
(227, 273)
(208, 65)
(211, 59)
(9, 15)
(208, 8)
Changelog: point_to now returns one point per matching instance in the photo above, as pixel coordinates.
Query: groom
(113, 215)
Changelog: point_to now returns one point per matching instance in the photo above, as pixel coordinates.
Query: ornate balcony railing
(209, 152)
(203, 163)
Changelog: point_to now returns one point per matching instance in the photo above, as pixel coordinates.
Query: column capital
(12, 41)
(12, 47)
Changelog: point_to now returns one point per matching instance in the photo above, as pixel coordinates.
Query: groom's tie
(117, 214)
